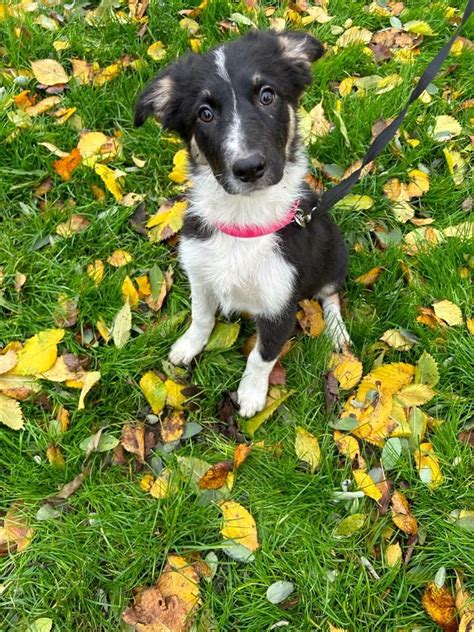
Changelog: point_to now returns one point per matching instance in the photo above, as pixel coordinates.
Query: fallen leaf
(428, 465)
(347, 445)
(449, 312)
(216, 475)
(241, 452)
(42, 106)
(307, 448)
(279, 591)
(96, 271)
(349, 525)
(129, 292)
(171, 604)
(67, 313)
(365, 483)
(156, 51)
(44, 624)
(167, 221)
(415, 395)
(39, 353)
(122, 325)
(163, 486)
(369, 277)
(223, 336)
(15, 535)
(133, 440)
(310, 317)
(96, 147)
(347, 369)
(397, 339)
(10, 413)
(8, 360)
(49, 72)
(90, 379)
(440, 605)
(55, 456)
(239, 526)
(172, 426)
(401, 514)
(77, 223)
(179, 174)
(456, 164)
(426, 370)
(174, 394)
(66, 166)
(354, 35)
(250, 426)
(111, 178)
(445, 128)
(154, 390)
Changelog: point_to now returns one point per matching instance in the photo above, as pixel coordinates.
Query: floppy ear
(300, 46)
(155, 100)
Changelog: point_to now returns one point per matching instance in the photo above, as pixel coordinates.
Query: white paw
(251, 396)
(185, 349)
(339, 336)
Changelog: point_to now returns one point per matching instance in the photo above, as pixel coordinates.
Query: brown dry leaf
(239, 526)
(428, 317)
(66, 166)
(449, 312)
(15, 535)
(369, 277)
(172, 427)
(216, 476)
(440, 605)
(401, 514)
(62, 416)
(75, 224)
(241, 452)
(133, 440)
(171, 604)
(49, 72)
(396, 38)
(311, 317)
(347, 369)
(44, 187)
(119, 258)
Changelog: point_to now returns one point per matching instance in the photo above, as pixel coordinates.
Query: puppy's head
(235, 106)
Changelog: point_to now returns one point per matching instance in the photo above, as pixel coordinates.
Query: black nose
(249, 169)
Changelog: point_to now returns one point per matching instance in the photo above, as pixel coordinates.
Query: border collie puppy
(244, 246)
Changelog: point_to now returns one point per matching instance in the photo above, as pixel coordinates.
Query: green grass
(81, 568)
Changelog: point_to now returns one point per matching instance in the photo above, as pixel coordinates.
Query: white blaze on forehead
(234, 138)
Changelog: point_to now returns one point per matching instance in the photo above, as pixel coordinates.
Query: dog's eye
(205, 114)
(267, 96)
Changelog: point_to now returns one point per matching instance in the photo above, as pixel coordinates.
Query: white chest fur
(242, 275)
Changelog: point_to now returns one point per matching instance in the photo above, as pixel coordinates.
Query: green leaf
(279, 591)
(345, 423)
(251, 425)
(238, 552)
(349, 525)
(156, 279)
(223, 336)
(40, 625)
(122, 325)
(106, 442)
(426, 370)
(391, 453)
(47, 512)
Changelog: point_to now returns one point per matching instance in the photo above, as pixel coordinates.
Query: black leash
(336, 193)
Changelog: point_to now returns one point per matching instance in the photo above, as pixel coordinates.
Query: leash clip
(302, 218)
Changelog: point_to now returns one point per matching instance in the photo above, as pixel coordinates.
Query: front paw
(251, 397)
(184, 350)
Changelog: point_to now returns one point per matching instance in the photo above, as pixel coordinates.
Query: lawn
(88, 554)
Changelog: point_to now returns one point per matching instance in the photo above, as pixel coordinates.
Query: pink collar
(250, 230)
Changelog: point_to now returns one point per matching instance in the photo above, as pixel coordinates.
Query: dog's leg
(253, 387)
(203, 309)
(334, 324)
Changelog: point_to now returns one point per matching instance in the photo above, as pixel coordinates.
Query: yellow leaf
(393, 555)
(403, 211)
(96, 146)
(385, 84)
(316, 14)
(470, 325)
(129, 292)
(347, 445)
(15, 535)
(96, 271)
(8, 360)
(103, 330)
(415, 395)
(154, 390)
(49, 72)
(456, 164)
(83, 71)
(189, 25)
(156, 51)
(119, 258)
(311, 317)
(419, 183)
(419, 27)
(445, 128)
(111, 178)
(346, 86)
(146, 482)
(391, 376)
(354, 35)
(365, 483)
(55, 456)
(440, 605)
(239, 526)
(356, 202)
(347, 369)
(167, 221)
(307, 448)
(250, 426)
(39, 353)
(60, 372)
(369, 277)
(179, 174)
(427, 465)
(395, 339)
(174, 396)
(172, 426)
(90, 378)
(42, 106)
(401, 514)
(449, 312)
(162, 487)
(196, 44)
(320, 126)
(105, 75)
(10, 413)
(144, 287)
